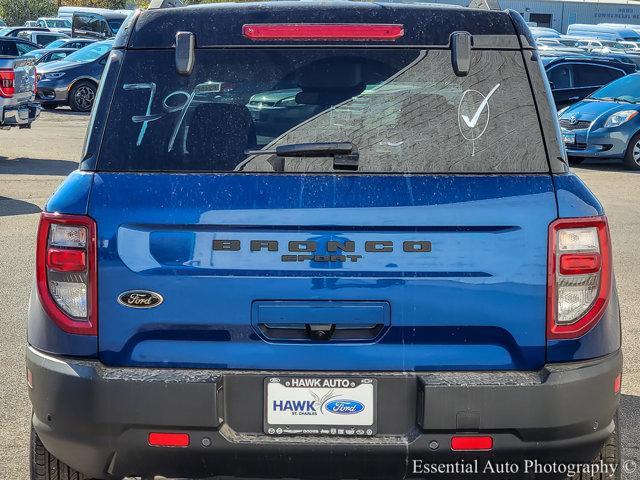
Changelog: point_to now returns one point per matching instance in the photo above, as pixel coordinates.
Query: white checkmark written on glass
(471, 123)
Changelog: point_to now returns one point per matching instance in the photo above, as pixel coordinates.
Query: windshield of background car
(625, 88)
(56, 44)
(90, 52)
(115, 24)
(58, 23)
(405, 111)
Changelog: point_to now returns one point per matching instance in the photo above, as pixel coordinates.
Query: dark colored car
(408, 276)
(74, 80)
(573, 78)
(75, 43)
(15, 47)
(606, 124)
(45, 55)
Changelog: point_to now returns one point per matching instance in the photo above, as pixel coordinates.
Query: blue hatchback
(605, 124)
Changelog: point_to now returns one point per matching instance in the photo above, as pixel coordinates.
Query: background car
(30, 23)
(75, 43)
(41, 38)
(14, 47)
(74, 80)
(2, 23)
(60, 25)
(15, 31)
(606, 124)
(47, 55)
(573, 78)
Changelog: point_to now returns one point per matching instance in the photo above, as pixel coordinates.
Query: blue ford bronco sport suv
(323, 240)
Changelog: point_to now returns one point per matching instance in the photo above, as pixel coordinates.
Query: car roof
(424, 24)
(585, 59)
(52, 50)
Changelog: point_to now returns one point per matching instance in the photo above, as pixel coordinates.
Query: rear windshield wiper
(345, 154)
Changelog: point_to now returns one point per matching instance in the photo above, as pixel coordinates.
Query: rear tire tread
(45, 466)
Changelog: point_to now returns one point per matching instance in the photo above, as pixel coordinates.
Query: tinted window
(56, 43)
(560, 76)
(91, 23)
(404, 110)
(57, 56)
(115, 24)
(25, 48)
(45, 39)
(8, 48)
(594, 75)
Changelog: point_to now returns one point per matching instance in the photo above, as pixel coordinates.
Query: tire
(82, 96)
(45, 466)
(632, 156)
(575, 160)
(49, 105)
(610, 454)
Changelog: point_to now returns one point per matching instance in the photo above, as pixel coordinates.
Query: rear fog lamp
(166, 439)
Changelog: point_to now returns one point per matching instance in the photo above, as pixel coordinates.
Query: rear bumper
(19, 115)
(97, 419)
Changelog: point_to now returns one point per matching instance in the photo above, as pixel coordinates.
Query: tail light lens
(66, 271)
(35, 80)
(579, 271)
(7, 83)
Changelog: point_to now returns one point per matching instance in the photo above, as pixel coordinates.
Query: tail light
(7, 83)
(35, 80)
(322, 31)
(579, 272)
(66, 271)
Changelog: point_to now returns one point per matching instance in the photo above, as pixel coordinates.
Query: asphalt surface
(34, 162)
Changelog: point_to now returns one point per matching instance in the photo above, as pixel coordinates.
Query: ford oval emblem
(140, 299)
(344, 407)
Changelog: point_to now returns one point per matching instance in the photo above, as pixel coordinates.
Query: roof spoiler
(155, 4)
(485, 4)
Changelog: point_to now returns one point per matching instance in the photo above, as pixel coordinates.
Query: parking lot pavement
(33, 162)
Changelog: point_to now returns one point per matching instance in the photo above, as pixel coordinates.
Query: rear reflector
(160, 439)
(66, 260)
(617, 384)
(579, 264)
(322, 31)
(471, 443)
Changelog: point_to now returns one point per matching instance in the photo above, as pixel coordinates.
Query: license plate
(568, 138)
(23, 112)
(320, 406)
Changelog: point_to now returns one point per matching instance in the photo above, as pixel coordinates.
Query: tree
(16, 12)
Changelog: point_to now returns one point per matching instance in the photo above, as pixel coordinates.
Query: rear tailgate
(25, 80)
(475, 300)
(429, 253)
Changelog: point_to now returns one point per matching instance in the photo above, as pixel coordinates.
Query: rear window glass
(404, 110)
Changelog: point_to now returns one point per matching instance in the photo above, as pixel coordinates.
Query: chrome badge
(140, 299)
